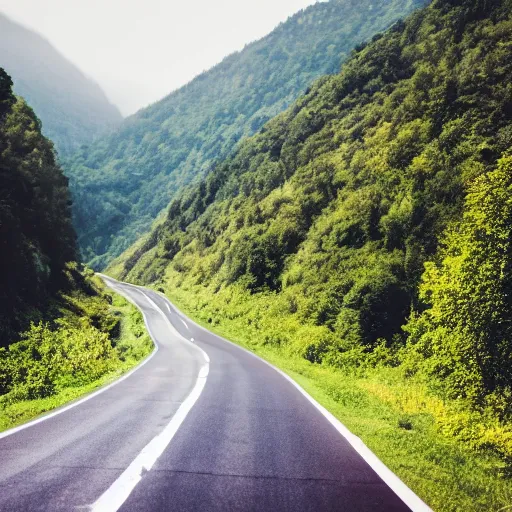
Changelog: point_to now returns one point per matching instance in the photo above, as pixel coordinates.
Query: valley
(330, 209)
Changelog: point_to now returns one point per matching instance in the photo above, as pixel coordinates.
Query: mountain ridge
(73, 108)
(121, 183)
(324, 222)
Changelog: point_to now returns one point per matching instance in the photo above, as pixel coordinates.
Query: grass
(133, 345)
(398, 419)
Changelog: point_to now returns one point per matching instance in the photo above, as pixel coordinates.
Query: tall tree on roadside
(36, 234)
(466, 334)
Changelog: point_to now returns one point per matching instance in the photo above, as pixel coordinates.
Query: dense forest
(370, 223)
(122, 182)
(57, 328)
(73, 109)
(37, 235)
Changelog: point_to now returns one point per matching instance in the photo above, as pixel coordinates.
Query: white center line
(170, 311)
(114, 497)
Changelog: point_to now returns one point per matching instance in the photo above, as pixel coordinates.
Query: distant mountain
(123, 181)
(72, 108)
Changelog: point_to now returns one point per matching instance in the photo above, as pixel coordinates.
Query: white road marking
(170, 311)
(12, 431)
(114, 497)
(412, 500)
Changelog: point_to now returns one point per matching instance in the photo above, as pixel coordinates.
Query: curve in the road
(118, 492)
(254, 440)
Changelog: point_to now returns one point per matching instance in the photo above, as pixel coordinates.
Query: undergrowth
(96, 337)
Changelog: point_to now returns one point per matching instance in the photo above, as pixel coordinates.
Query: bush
(312, 342)
(46, 361)
(465, 336)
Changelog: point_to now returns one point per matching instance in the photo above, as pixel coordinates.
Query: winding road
(201, 425)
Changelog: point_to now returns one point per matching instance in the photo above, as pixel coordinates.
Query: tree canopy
(37, 236)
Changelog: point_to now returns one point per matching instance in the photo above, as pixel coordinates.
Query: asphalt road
(233, 434)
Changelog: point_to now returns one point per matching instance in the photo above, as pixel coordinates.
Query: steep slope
(322, 222)
(121, 183)
(59, 335)
(73, 109)
(40, 278)
(37, 236)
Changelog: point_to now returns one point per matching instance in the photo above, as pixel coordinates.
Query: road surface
(201, 426)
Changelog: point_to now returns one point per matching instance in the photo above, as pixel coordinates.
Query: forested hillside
(123, 181)
(381, 198)
(73, 109)
(37, 236)
(58, 331)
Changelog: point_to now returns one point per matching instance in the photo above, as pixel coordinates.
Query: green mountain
(37, 235)
(315, 233)
(73, 109)
(59, 333)
(122, 182)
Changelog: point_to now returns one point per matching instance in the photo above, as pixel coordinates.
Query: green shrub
(46, 361)
(312, 342)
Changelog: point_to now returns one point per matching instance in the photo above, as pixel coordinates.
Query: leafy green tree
(36, 234)
(6, 96)
(466, 334)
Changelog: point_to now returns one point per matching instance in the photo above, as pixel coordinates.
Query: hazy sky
(140, 50)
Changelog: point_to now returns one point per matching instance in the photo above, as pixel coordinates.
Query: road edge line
(406, 494)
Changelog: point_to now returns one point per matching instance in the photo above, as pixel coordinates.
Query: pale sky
(141, 50)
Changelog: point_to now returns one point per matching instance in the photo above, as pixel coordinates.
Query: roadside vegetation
(62, 333)
(37, 238)
(453, 457)
(95, 337)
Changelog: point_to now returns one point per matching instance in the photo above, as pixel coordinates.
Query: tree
(466, 334)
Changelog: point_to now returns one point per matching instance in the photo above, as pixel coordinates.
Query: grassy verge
(131, 345)
(400, 421)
